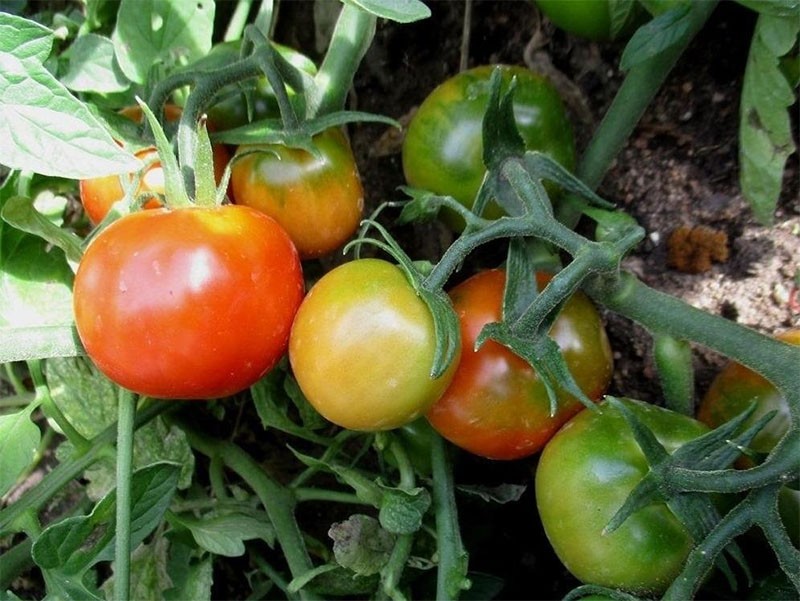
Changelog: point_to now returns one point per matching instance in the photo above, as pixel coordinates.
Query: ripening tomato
(733, 390)
(497, 406)
(100, 193)
(583, 477)
(443, 146)
(362, 348)
(188, 303)
(590, 19)
(318, 200)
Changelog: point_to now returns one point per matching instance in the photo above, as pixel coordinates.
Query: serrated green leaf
(93, 66)
(401, 11)
(225, 533)
(27, 39)
(401, 510)
(73, 545)
(153, 31)
(19, 439)
(765, 136)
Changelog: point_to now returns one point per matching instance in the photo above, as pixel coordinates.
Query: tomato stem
(126, 421)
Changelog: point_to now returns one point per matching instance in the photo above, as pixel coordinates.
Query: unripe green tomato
(584, 476)
(443, 147)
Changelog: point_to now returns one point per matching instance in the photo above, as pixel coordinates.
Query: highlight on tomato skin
(496, 405)
(99, 194)
(189, 303)
(319, 201)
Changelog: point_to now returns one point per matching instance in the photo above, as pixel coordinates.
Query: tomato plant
(590, 19)
(497, 406)
(318, 200)
(733, 391)
(100, 193)
(584, 475)
(362, 348)
(253, 99)
(443, 149)
(188, 303)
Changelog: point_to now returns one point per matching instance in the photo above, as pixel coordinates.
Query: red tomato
(188, 303)
(318, 200)
(100, 193)
(496, 406)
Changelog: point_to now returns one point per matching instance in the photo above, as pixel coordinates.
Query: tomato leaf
(270, 399)
(19, 438)
(73, 545)
(22, 214)
(93, 66)
(53, 133)
(361, 544)
(224, 533)
(150, 32)
(778, 8)
(765, 134)
(401, 11)
(619, 11)
(401, 510)
(656, 36)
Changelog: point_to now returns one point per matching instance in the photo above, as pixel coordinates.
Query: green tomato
(585, 474)
(443, 147)
(362, 348)
(590, 19)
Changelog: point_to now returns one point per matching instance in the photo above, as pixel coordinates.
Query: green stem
(126, 422)
(278, 501)
(238, 21)
(52, 410)
(14, 379)
(35, 498)
(319, 494)
(641, 85)
(775, 360)
(451, 574)
(673, 359)
(352, 37)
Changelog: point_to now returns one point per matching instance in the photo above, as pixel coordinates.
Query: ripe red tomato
(100, 193)
(362, 348)
(188, 303)
(317, 200)
(496, 406)
(583, 477)
(443, 147)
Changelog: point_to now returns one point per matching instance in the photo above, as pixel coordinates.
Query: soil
(678, 169)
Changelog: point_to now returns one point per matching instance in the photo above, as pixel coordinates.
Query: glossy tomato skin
(589, 19)
(443, 148)
(100, 193)
(735, 388)
(584, 475)
(362, 348)
(319, 201)
(497, 406)
(188, 303)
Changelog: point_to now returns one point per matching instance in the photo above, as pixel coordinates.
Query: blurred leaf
(361, 544)
(778, 8)
(149, 576)
(765, 135)
(53, 132)
(657, 35)
(191, 577)
(401, 11)
(93, 67)
(152, 31)
(19, 439)
(619, 11)
(22, 214)
(502, 494)
(272, 405)
(73, 545)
